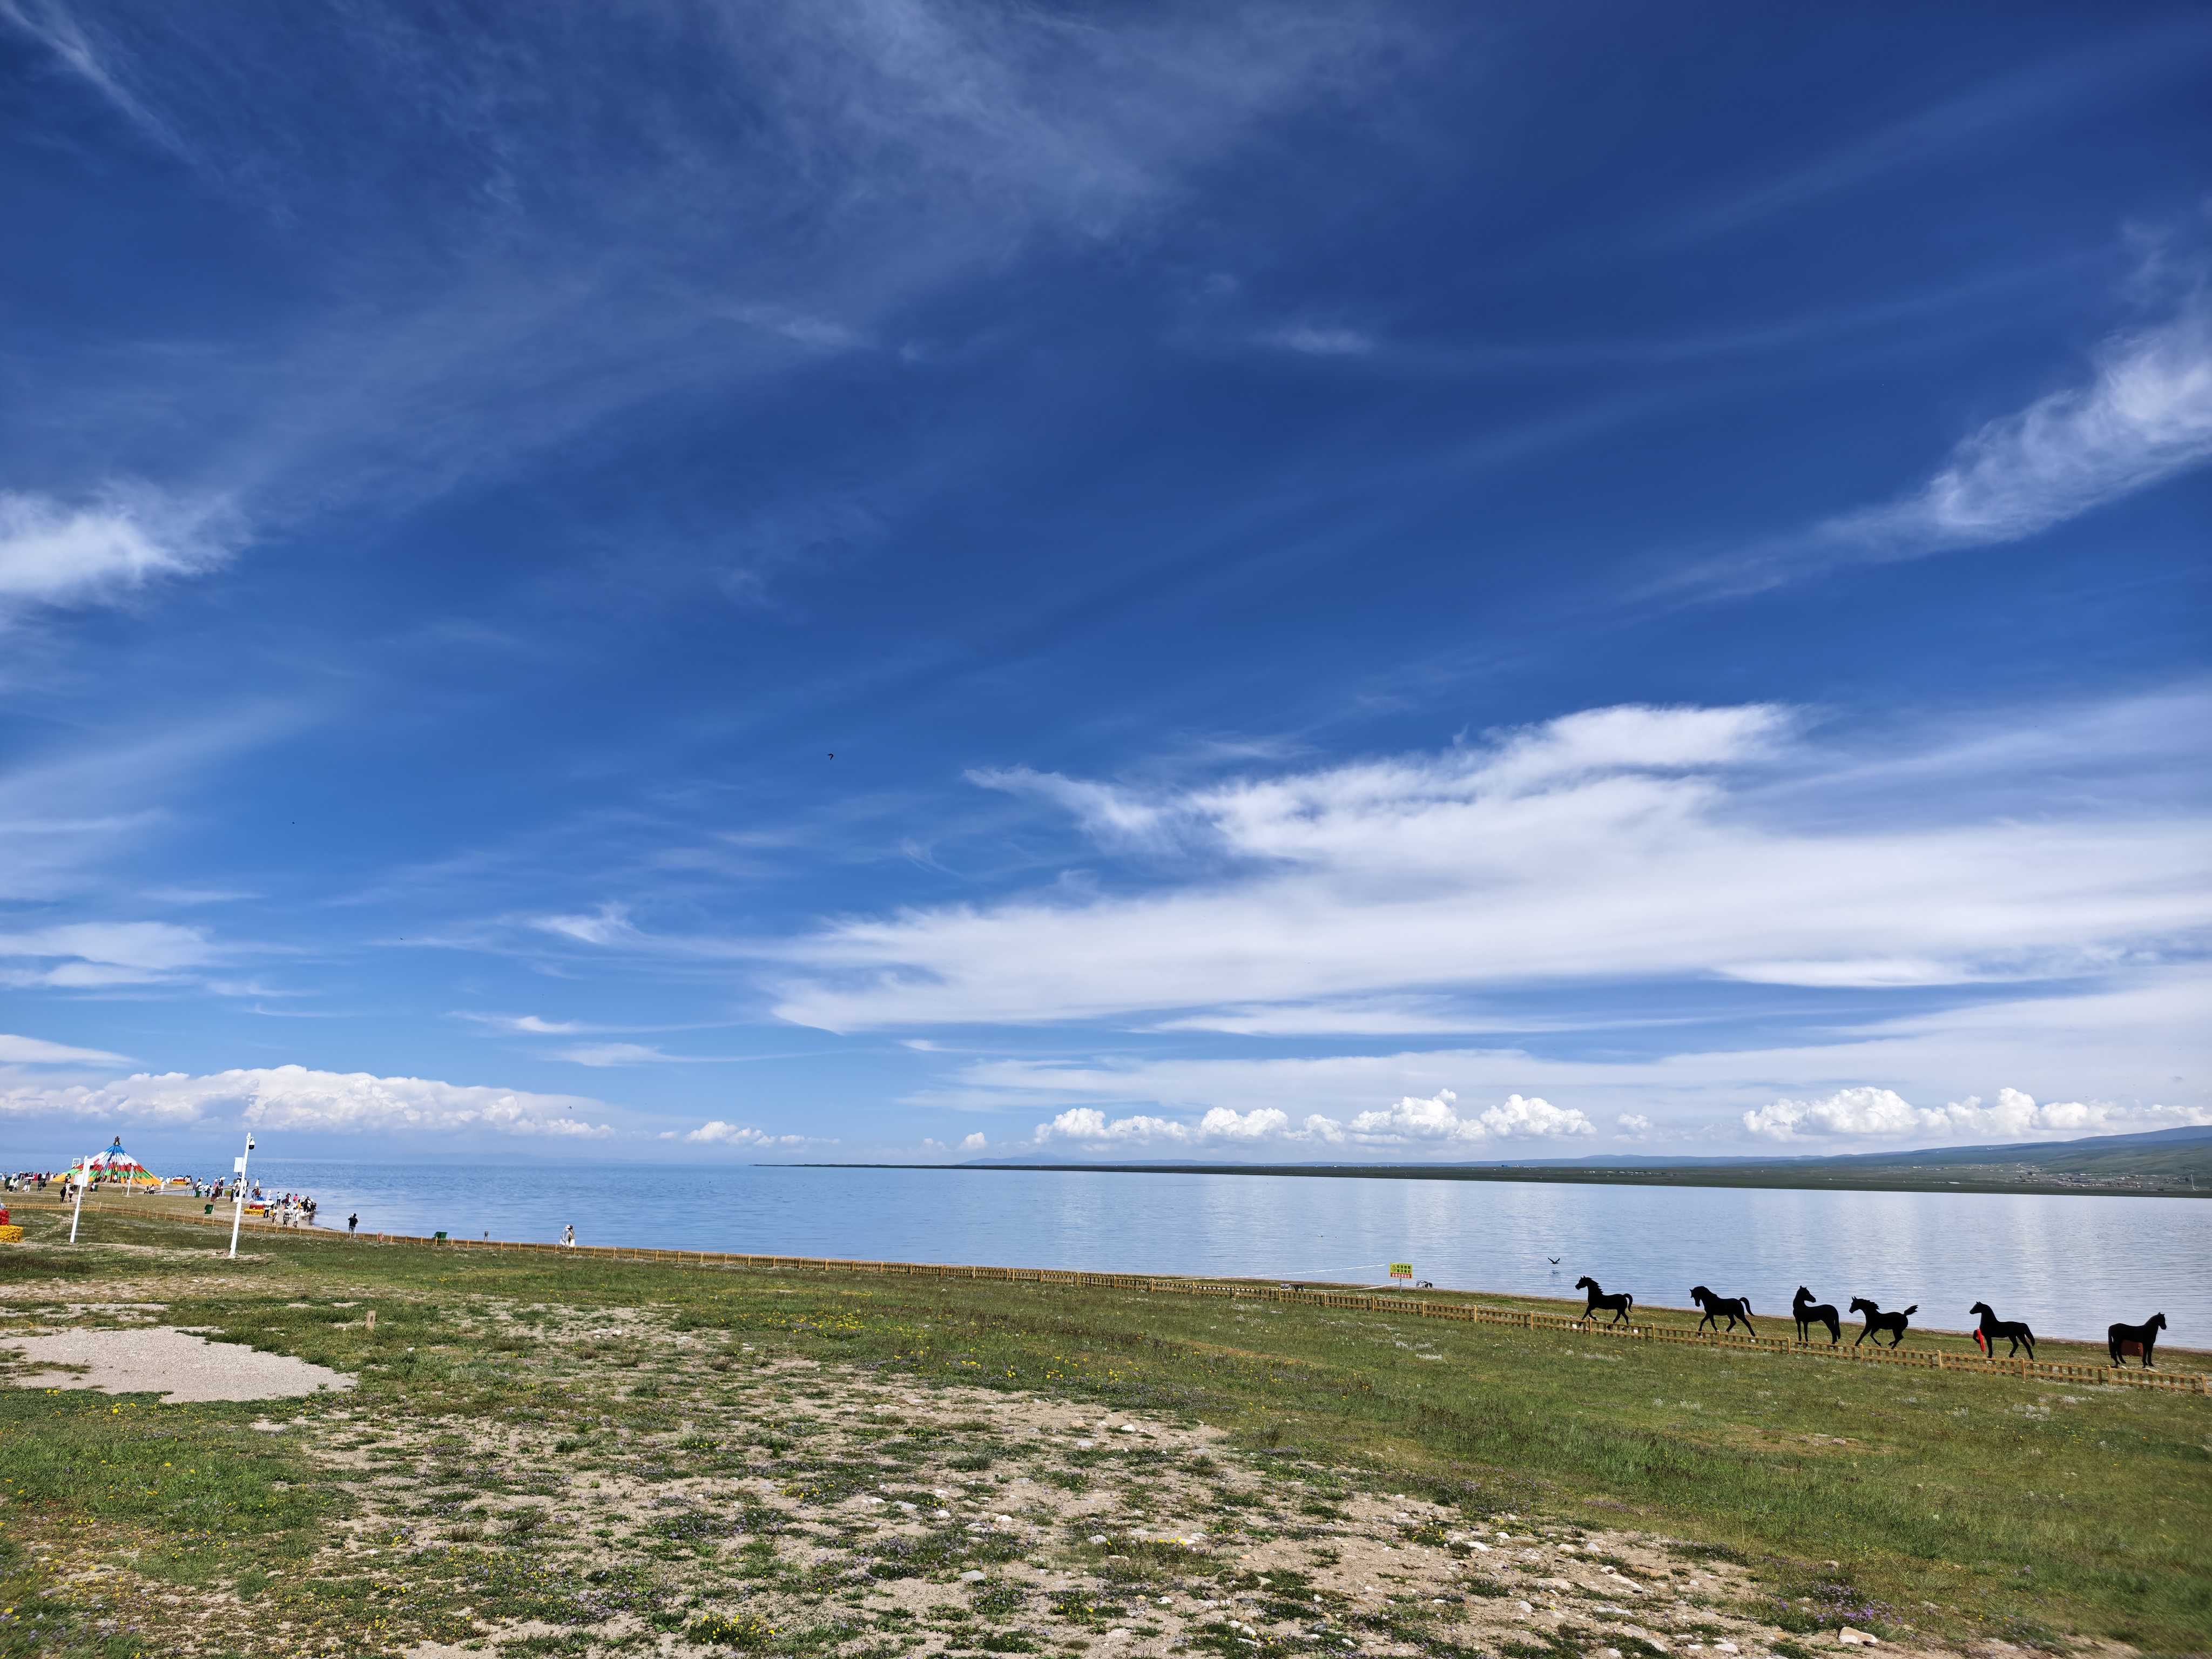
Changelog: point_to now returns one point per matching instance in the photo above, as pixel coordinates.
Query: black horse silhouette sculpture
(1877, 1321)
(2144, 1336)
(1730, 1307)
(1617, 1304)
(1807, 1310)
(2014, 1331)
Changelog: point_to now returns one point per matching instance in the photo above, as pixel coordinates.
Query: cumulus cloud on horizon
(2121, 1044)
(297, 1098)
(1089, 1126)
(716, 1132)
(1437, 1120)
(1432, 1122)
(1868, 1112)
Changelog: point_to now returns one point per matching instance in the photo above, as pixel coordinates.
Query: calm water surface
(2069, 1266)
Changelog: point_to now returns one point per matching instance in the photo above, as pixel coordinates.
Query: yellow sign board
(1401, 1270)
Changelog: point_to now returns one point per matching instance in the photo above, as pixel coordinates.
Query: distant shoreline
(2175, 1183)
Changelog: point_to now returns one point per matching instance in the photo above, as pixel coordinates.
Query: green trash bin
(440, 1238)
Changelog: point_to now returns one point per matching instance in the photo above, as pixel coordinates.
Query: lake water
(2069, 1266)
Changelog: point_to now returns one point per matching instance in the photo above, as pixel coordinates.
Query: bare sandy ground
(163, 1360)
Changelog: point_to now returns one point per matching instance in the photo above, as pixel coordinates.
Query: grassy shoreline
(1666, 1319)
(1948, 1508)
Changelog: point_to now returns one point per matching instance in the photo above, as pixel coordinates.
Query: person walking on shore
(352, 1222)
(568, 1238)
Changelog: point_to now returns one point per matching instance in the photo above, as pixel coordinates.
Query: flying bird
(1553, 1260)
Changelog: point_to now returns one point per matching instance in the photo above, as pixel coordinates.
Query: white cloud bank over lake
(2114, 1061)
(294, 1098)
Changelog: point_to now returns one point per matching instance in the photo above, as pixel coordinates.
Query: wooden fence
(1465, 1313)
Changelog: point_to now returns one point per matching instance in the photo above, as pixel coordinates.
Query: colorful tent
(116, 1166)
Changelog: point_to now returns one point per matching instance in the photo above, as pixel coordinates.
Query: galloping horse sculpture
(1617, 1304)
(2145, 1336)
(2014, 1331)
(1730, 1307)
(1807, 1310)
(1878, 1321)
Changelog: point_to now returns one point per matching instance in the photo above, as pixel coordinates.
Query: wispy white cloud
(53, 23)
(68, 809)
(1619, 843)
(1348, 1017)
(1323, 342)
(2144, 416)
(529, 1024)
(36, 1051)
(561, 252)
(2121, 65)
(295, 1097)
(615, 1054)
(106, 549)
(1113, 815)
(818, 332)
(639, 1054)
(97, 953)
(608, 926)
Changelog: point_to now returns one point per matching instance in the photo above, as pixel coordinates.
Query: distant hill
(2034, 1150)
(2157, 1163)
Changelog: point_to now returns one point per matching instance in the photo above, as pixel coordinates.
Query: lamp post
(81, 1177)
(238, 1214)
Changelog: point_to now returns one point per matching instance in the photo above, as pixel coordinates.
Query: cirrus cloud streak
(1614, 844)
(2144, 416)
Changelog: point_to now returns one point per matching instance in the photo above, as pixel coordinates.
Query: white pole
(238, 1213)
(78, 1214)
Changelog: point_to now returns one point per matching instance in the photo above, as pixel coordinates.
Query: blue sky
(920, 579)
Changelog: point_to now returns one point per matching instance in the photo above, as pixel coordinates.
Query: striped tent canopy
(116, 1164)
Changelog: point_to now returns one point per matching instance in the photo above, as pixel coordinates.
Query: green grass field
(1945, 1509)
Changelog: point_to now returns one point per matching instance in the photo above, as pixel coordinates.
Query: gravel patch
(171, 1362)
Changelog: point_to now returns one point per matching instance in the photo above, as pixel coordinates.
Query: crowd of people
(286, 1209)
(32, 1180)
(294, 1210)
